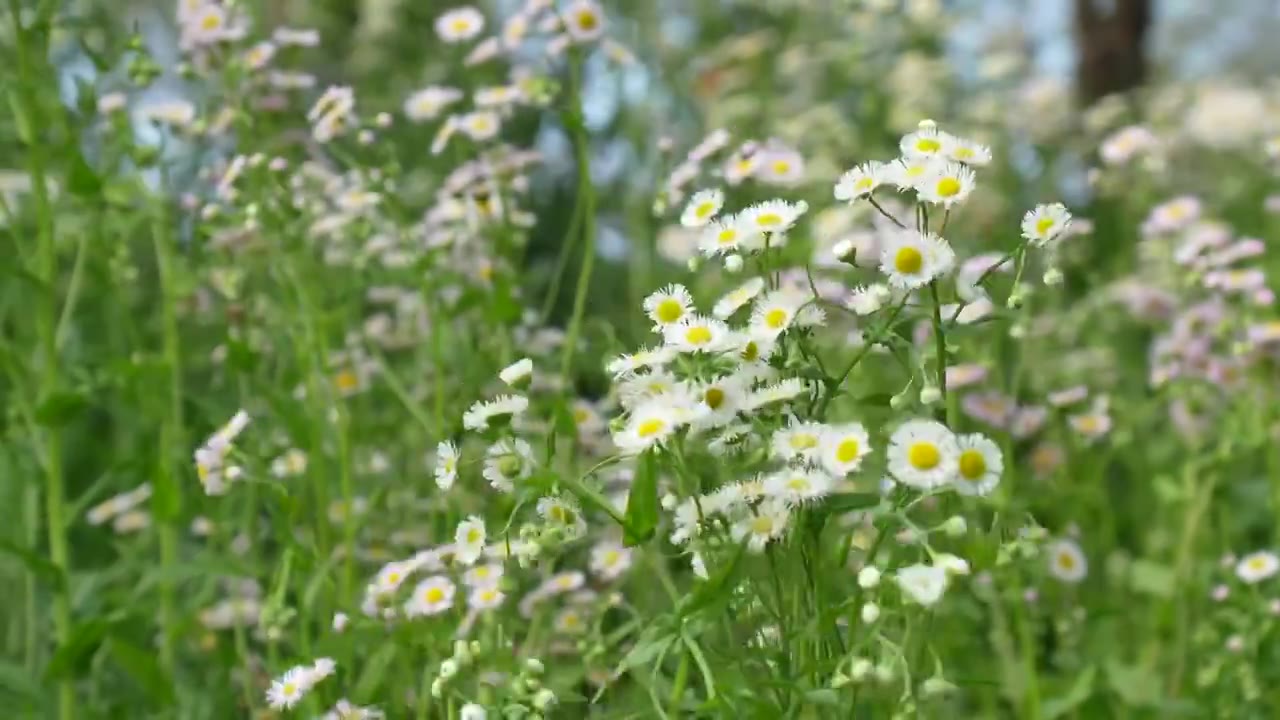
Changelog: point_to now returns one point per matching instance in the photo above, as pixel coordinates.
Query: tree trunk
(1111, 40)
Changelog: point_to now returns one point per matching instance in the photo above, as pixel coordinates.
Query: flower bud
(1053, 276)
(860, 669)
(868, 577)
(870, 613)
(733, 263)
(955, 526)
(930, 395)
(448, 669)
(544, 699)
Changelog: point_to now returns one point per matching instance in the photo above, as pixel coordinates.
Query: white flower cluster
(287, 690)
(211, 458)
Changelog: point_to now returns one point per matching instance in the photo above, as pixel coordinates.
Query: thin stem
(885, 213)
(27, 108)
(939, 345)
(171, 437)
(567, 245)
(578, 130)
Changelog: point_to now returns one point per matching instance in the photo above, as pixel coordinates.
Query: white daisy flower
(609, 560)
(868, 299)
(668, 306)
(926, 142)
(430, 597)
(911, 259)
(729, 304)
(446, 464)
(638, 389)
(460, 24)
(486, 598)
(518, 373)
(798, 440)
(766, 524)
(291, 464)
(780, 392)
(469, 540)
(563, 513)
(798, 485)
(860, 181)
(755, 348)
(390, 577)
(979, 466)
(472, 711)
(909, 173)
(506, 462)
(843, 447)
(776, 311)
(644, 358)
(948, 184)
(584, 21)
(1045, 223)
(968, 152)
(288, 689)
(480, 125)
(779, 167)
(773, 216)
(695, 333)
(1066, 561)
(702, 207)
(718, 400)
(923, 454)
(922, 584)
(257, 57)
(479, 415)
(647, 425)
(724, 236)
(1258, 566)
(482, 575)
(429, 102)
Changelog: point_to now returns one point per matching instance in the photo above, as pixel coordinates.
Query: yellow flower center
(1066, 561)
(669, 311)
(698, 335)
(1088, 424)
(775, 318)
(799, 483)
(580, 415)
(612, 557)
(847, 451)
(482, 573)
(908, 260)
(864, 183)
(570, 621)
(1257, 564)
(433, 595)
(473, 536)
(587, 20)
(972, 465)
(751, 351)
(211, 21)
(769, 219)
(704, 210)
(781, 167)
(949, 187)
(928, 145)
(393, 578)
(761, 525)
(915, 170)
(1043, 225)
(963, 153)
(713, 397)
(727, 236)
(460, 25)
(346, 381)
(288, 689)
(803, 441)
(924, 456)
(649, 428)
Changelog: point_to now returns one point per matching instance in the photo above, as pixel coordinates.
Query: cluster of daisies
(211, 458)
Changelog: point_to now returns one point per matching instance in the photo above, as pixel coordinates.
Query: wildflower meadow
(536, 359)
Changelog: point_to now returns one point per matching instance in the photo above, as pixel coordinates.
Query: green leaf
(82, 181)
(715, 587)
(590, 497)
(648, 647)
(40, 566)
(847, 502)
(642, 502)
(16, 681)
(1080, 691)
(145, 670)
(822, 696)
(1151, 578)
(71, 658)
(1134, 685)
(875, 400)
(375, 669)
(60, 408)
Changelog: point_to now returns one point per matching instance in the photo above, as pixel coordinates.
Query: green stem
(562, 258)
(27, 107)
(171, 435)
(682, 678)
(940, 351)
(573, 118)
